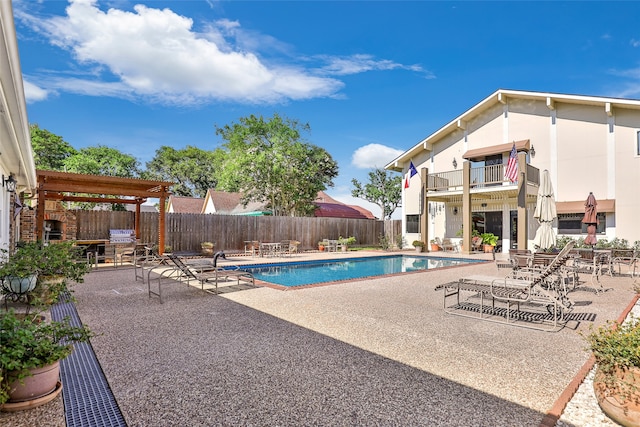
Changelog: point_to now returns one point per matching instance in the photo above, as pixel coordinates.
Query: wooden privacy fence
(185, 232)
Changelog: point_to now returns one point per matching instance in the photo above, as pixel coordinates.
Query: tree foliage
(383, 189)
(103, 160)
(268, 162)
(49, 150)
(192, 169)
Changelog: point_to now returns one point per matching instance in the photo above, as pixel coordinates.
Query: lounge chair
(530, 287)
(203, 272)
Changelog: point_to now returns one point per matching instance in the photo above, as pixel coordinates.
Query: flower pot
(435, 247)
(42, 382)
(345, 248)
(489, 248)
(321, 248)
(625, 410)
(20, 285)
(418, 249)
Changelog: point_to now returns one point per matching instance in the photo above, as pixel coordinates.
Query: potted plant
(207, 248)
(345, 242)
(617, 380)
(19, 270)
(490, 241)
(321, 245)
(418, 244)
(434, 245)
(30, 351)
(40, 273)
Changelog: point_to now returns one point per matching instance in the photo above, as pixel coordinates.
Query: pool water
(311, 272)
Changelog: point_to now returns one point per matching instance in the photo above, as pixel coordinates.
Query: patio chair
(205, 273)
(525, 286)
(627, 258)
(476, 244)
(104, 252)
(447, 244)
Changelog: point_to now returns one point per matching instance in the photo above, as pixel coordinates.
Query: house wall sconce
(532, 151)
(455, 210)
(9, 183)
(454, 163)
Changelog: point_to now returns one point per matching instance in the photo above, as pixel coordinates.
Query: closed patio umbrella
(591, 219)
(545, 213)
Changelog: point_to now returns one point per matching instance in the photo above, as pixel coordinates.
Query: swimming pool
(311, 272)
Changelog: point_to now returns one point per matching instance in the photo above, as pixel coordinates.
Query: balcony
(482, 179)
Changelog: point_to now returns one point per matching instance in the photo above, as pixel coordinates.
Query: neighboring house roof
(499, 97)
(143, 208)
(222, 202)
(331, 208)
(183, 204)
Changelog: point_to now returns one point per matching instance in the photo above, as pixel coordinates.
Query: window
(413, 223)
(572, 223)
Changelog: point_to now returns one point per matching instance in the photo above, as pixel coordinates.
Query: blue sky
(372, 78)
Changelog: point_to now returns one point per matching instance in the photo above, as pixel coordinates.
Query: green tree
(192, 169)
(49, 150)
(383, 189)
(103, 160)
(268, 162)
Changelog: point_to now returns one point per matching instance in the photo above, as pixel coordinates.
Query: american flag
(511, 171)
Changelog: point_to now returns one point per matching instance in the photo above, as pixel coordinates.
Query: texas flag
(412, 171)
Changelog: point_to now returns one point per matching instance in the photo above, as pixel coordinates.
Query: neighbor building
(587, 143)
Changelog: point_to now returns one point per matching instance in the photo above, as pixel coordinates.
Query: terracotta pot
(42, 382)
(488, 248)
(434, 247)
(321, 248)
(625, 412)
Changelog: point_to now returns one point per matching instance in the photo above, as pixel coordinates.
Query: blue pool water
(310, 272)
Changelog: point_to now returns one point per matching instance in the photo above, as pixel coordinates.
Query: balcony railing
(481, 177)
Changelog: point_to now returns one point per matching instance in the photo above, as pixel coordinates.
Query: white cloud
(33, 93)
(362, 63)
(635, 43)
(373, 156)
(157, 55)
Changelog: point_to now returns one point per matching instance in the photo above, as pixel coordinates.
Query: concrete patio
(369, 352)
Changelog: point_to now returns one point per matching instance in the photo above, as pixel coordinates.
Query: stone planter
(418, 249)
(625, 410)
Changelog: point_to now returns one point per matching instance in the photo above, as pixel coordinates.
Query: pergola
(62, 186)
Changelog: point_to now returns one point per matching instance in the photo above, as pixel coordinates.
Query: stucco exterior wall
(588, 144)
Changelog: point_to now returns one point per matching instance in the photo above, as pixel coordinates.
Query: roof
(500, 97)
(183, 204)
(143, 208)
(223, 201)
(329, 207)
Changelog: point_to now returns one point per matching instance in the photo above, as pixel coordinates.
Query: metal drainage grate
(87, 398)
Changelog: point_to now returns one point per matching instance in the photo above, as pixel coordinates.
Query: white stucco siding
(627, 174)
(582, 152)
(486, 129)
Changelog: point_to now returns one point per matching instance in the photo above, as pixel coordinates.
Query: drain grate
(87, 398)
